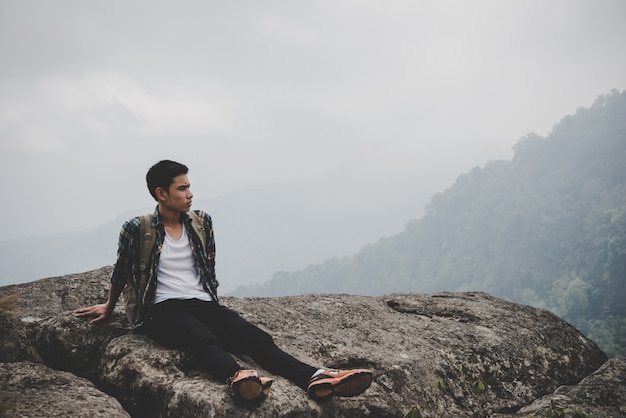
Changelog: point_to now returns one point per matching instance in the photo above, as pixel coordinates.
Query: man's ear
(161, 193)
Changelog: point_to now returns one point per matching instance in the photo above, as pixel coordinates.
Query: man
(173, 299)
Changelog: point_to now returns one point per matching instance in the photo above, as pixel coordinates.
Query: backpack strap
(147, 238)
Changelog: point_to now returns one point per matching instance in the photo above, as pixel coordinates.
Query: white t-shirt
(177, 277)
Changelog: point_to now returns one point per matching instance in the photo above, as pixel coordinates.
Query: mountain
(547, 228)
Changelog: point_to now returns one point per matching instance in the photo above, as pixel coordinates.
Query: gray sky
(258, 92)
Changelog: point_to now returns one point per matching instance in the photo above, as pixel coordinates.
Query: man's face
(178, 197)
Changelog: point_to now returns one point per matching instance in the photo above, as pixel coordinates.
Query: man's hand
(101, 312)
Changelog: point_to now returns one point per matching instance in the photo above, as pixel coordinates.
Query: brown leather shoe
(333, 382)
(246, 384)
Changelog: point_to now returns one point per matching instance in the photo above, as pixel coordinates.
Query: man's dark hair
(162, 175)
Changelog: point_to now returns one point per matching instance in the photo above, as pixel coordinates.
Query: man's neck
(168, 216)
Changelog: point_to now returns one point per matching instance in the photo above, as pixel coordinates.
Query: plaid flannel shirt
(127, 265)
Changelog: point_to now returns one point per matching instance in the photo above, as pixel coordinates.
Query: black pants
(211, 331)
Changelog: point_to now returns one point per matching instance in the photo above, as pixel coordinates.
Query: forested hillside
(547, 229)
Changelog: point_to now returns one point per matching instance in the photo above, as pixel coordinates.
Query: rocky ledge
(455, 354)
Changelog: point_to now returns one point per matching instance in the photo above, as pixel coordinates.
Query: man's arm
(104, 310)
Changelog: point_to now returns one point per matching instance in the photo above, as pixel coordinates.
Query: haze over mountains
(547, 228)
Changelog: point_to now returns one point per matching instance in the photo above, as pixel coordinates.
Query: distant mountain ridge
(259, 229)
(547, 228)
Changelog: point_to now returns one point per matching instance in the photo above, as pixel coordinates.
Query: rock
(44, 329)
(68, 343)
(14, 342)
(456, 354)
(34, 390)
(602, 394)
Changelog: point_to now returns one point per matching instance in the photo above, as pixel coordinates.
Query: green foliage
(415, 412)
(547, 228)
(479, 385)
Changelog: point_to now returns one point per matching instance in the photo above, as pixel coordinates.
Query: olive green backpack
(134, 292)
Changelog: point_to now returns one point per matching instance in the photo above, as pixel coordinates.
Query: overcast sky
(257, 92)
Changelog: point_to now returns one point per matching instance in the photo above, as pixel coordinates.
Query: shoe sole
(352, 385)
(249, 389)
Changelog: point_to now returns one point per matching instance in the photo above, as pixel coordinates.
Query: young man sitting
(171, 296)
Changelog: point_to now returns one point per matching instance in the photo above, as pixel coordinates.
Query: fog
(256, 93)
